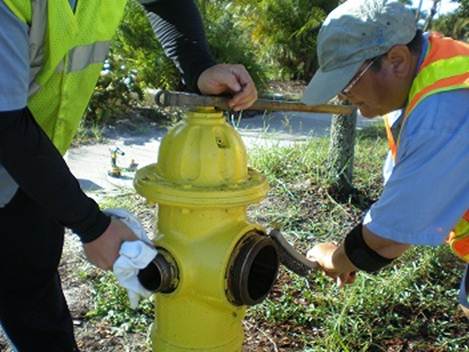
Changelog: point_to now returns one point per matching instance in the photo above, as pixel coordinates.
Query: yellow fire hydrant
(212, 261)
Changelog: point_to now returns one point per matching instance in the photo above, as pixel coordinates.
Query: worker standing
(371, 53)
(51, 54)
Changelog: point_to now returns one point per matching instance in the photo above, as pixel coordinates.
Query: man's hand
(332, 262)
(226, 78)
(104, 250)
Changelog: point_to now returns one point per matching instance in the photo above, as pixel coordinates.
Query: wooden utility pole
(341, 153)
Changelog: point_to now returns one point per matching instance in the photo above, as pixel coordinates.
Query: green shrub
(284, 34)
(136, 42)
(135, 62)
(117, 91)
(229, 42)
(455, 24)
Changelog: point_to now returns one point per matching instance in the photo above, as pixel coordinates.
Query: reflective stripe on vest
(37, 33)
(67, 50)
(458, 239)
(82, 56)
(444, 68)
(79, 57)
(390, 137)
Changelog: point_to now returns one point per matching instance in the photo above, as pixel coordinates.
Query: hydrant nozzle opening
(253, 269)
(161, 275)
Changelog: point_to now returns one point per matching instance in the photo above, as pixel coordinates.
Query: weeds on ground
(410, 306)
(88, 133)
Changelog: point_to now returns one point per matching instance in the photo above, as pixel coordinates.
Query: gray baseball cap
(354, 32)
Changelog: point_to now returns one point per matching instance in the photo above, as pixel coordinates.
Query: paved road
(90, 163)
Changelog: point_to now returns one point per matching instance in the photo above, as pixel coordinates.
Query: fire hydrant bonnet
(202, 163)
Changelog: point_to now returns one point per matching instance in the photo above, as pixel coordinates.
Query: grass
(411, 306)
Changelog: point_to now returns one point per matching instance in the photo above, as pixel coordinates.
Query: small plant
(111, 304)
(410, 306)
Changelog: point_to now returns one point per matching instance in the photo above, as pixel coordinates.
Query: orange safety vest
(445, 67)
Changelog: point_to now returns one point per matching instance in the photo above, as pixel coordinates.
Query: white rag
(133, 256)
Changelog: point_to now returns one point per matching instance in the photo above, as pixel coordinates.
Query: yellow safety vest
(445, 67)
(67, 50)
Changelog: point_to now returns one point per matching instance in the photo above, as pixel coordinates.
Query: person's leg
(464, 293)
(33, 311)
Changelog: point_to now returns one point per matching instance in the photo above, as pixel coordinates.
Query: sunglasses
(357, 77)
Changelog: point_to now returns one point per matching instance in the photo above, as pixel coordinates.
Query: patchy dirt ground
(100, 336)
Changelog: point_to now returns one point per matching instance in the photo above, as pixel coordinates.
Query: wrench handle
(171, 98)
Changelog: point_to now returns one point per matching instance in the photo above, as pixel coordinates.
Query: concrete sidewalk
(90, 163)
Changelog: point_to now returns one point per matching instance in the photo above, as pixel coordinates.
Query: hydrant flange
(253, 269)
(162, 275)
(159, 190)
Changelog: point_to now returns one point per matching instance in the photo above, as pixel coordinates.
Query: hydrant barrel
(202, 185)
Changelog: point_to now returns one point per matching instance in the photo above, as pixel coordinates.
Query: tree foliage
(228, 40)
(136, 61)
(284, 33)
(136, 42)
(455, 24)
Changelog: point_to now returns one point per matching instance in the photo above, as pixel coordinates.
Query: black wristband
(360, 254)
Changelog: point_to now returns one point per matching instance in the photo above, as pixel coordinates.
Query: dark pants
(33, 311)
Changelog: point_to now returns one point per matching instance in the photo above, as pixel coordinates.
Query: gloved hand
(133, 256)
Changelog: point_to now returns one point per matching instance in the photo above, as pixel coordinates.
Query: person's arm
(178, 26)
(424, 197)
(38, 168)
(361, 250)
(40, 171)
(33, 161)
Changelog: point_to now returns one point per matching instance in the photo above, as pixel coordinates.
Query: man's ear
(400, 60)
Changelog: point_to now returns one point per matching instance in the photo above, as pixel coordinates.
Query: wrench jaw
(291, 258)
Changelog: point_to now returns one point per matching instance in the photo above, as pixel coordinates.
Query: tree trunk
(341, 151)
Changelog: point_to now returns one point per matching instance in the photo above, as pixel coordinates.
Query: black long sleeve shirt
(38, 168)
(178, 26)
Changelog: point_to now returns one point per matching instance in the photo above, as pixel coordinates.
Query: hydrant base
(164, 346)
